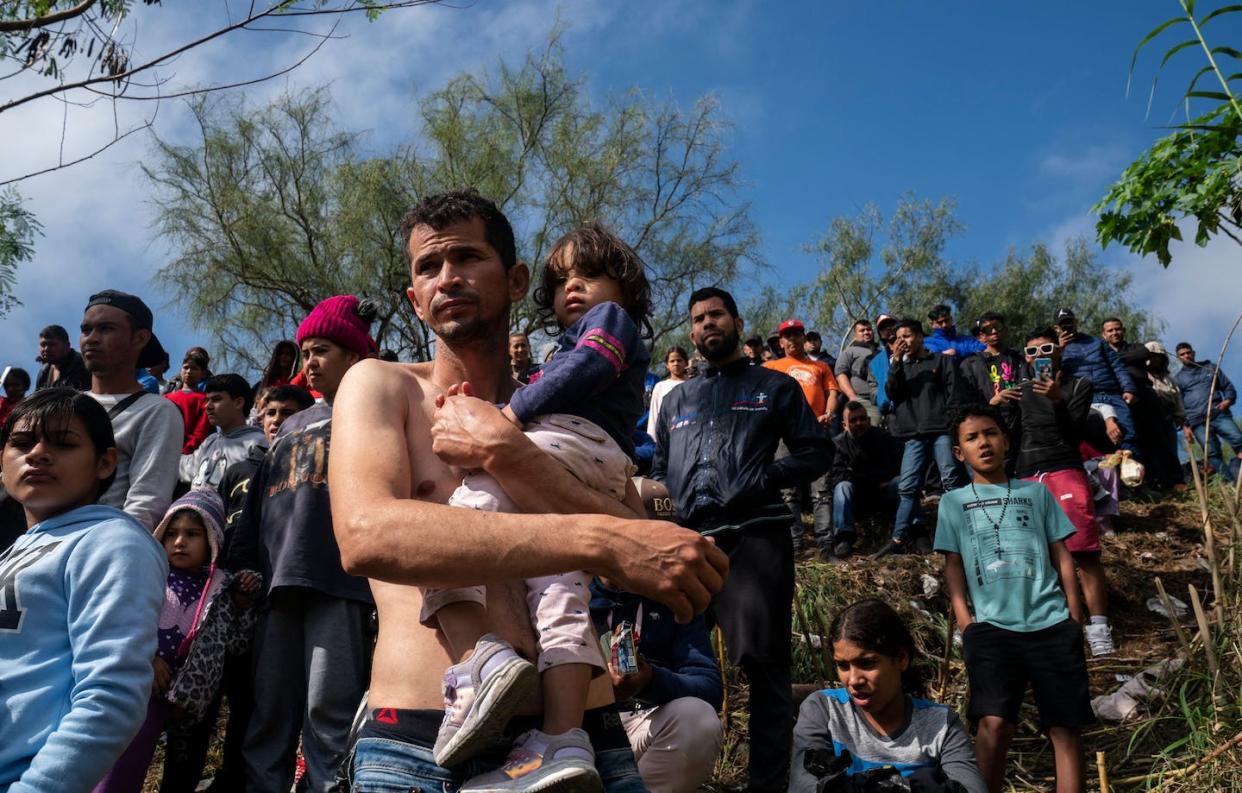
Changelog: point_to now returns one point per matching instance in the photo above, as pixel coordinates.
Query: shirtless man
(404, 433)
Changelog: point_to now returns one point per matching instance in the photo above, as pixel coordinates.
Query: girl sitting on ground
(875, 724)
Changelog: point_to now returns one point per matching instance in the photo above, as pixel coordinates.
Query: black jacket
(869, 462)
(716, 437)
(1048, 435)
(72, 373)
(1134, 357)
(922, 392)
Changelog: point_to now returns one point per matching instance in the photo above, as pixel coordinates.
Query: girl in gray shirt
(873, 726)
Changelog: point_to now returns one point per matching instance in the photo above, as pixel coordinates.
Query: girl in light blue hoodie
(80, 598)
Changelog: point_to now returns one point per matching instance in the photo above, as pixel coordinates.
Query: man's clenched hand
(677, 567)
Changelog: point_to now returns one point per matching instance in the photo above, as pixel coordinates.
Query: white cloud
(1094, 162)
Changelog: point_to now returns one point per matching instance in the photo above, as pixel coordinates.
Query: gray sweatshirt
(149, 434)
(205, 466)
(932, 736)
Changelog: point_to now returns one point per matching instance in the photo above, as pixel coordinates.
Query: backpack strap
(123, 405)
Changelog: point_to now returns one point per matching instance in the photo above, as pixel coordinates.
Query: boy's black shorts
(1000, 662)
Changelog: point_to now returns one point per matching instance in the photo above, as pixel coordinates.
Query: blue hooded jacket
(1195, 380)
(80, 599)
(1091, 358)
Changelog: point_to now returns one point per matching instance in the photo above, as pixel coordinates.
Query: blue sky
(1016, 110)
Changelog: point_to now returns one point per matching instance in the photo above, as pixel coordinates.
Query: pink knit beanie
(343, 320)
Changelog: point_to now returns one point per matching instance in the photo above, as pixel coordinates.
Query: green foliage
(18, 228)
(898, 267)
(1196, 172)
(274, 209)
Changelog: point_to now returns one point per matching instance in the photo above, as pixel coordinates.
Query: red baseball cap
(790, 324)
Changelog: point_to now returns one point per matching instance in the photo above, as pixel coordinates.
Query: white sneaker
(1100, 639)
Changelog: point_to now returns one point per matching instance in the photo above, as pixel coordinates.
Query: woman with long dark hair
(281, 368)
(876, 724)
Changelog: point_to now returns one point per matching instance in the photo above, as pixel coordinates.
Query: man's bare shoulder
(374, 380)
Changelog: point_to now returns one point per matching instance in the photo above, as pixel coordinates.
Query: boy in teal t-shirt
(1004, 546)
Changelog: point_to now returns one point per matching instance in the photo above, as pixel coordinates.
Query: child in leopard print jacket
(197, 628)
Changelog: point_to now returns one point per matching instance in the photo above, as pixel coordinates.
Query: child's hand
(248, 582)
(163, 676)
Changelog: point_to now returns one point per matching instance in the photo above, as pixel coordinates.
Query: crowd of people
(490, 574)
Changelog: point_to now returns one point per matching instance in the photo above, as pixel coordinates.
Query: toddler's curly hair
(593, 250)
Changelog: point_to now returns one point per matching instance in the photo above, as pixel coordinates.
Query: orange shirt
(815, 377)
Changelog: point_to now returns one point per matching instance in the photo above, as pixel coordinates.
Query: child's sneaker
(545, 763)
(480, 694)
(1100, 639)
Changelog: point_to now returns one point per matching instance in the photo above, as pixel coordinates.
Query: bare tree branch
(21, 25)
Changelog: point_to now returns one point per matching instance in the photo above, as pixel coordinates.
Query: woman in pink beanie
(333, 337)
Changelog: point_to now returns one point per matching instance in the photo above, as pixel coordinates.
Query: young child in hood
(196, 628)
(80, 596)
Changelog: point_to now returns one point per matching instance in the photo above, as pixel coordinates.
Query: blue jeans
(849, 502)
(1124, 417)
(382, 765)
(1223, 426)
(910, 481)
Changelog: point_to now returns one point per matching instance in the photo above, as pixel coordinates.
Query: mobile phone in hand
(1043, 368)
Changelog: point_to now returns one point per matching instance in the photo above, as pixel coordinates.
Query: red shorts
(1072, 490)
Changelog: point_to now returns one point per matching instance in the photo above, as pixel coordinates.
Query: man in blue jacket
(944, 337)
(1195, 381)
(1091, 357)
(669, 705)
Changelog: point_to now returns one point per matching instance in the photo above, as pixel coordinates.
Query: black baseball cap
(1065, 313)
(139, 316)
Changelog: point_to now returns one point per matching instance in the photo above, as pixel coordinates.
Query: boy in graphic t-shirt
(1004, 546)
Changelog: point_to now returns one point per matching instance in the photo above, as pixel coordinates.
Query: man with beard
(404, 434)
(62, 365)
(716, 445)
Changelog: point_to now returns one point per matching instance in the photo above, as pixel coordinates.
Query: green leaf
(1163, 26)
(1176, 49)
(1230, 51)
(1217, 95)
(1223, 10)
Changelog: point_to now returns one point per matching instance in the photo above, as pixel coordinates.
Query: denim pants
(1223, 426)
(910, 481)
(850, 502)
(1124, 417)
(382, 765)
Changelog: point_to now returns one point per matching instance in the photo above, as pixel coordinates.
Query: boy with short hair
(228, 405)
(1010, 535)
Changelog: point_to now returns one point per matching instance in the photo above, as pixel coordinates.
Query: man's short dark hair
(708, 292)
(1112, 319)
(912, 324)
(56, 332)
(754, 341)
(854, 404)
(441, 210)
(959, 417)
(990, 316)
(939, 310)
(861, 322)
(1045, 332)
(291, 393)
(235, 386)
(1183, 345)
(813, 335)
